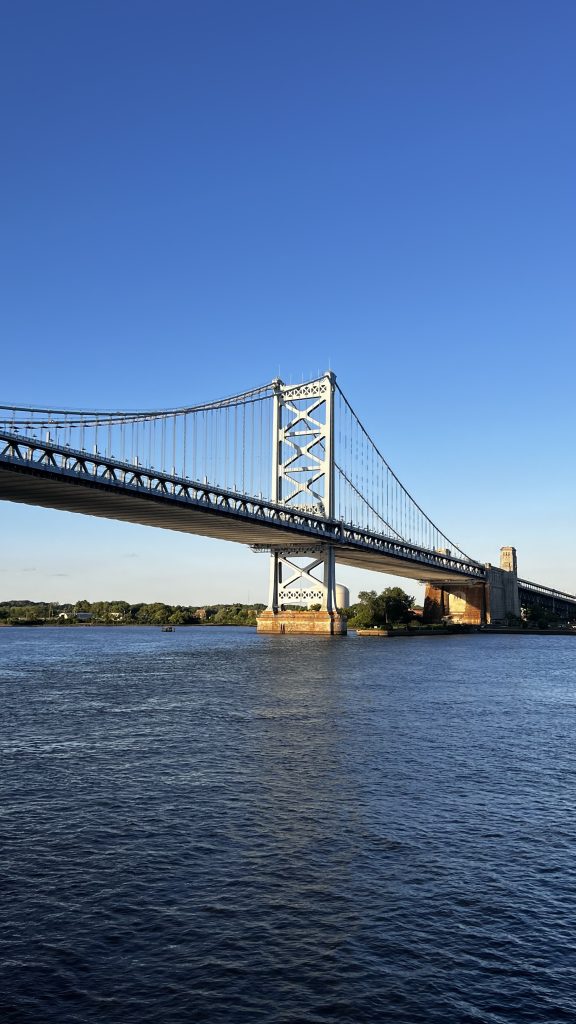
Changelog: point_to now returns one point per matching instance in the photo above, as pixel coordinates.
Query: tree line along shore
(393, 606)
(121, 613)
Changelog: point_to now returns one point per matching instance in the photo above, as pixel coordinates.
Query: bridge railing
(230, 444)
(65, 463)
(227, 442)
(537, 588)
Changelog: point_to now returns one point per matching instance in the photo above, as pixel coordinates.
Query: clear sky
(196, 196)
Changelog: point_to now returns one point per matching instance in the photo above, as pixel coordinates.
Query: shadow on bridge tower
(477, 603)
(303, 480)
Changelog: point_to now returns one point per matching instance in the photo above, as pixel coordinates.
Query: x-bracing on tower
(303, 480)
(205, 469)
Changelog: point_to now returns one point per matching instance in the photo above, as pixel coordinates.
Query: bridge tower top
(508, 560)
(303, 445)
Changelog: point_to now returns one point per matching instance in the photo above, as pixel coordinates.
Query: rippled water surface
(212, 826)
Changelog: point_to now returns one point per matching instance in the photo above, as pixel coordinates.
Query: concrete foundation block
(326, 623)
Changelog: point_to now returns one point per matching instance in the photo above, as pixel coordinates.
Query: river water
(214, 826)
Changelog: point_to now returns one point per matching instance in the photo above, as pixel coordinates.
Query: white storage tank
(342, 597)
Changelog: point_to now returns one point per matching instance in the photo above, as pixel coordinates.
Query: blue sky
(195, 197)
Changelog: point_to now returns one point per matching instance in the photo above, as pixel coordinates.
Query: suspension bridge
(287, 469)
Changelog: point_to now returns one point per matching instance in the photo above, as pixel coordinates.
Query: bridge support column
(291, 621)
(491, 601)
(293, 584)
(465, 605)
(303, 481)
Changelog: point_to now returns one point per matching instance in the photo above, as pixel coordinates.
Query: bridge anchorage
(331, 497)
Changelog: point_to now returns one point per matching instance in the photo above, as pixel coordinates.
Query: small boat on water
(168, 629)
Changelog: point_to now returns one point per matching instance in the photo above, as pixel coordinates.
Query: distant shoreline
(121, 613)
(130, 625)
(389, 634)
(392, 634)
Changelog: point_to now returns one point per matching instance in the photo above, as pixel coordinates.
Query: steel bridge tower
(303, 481)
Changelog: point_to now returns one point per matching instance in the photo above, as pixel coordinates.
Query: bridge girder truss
(353, 509)
(556, 601)
(44, 462)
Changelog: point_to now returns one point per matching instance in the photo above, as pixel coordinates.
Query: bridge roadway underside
(98, 498)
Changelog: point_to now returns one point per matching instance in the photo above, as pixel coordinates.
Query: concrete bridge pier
(477, 603)
(290, 621)
(294, 583)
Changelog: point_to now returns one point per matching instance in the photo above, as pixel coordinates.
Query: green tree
(397, 605)
(392, 607)
(541, 618)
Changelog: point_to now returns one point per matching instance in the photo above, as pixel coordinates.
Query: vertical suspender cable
(226, 441)
(174, 444)
(214, 444)
(215, 447)
(243, 446)
(261, 453)
(184, 432)
(235, 443)
(251, 460)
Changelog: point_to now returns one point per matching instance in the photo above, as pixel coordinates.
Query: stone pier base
(475, 604)
(465, 605)
(326, 623)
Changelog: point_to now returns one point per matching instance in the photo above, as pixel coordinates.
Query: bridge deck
(51, 487)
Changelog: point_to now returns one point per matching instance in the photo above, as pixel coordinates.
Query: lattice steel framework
(96, 475)
(327, 477)
(331, 488)
(303, 480)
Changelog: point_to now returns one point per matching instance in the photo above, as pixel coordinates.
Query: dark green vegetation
(108, 613)
(540, 618)
(393, 607)
(535, 617)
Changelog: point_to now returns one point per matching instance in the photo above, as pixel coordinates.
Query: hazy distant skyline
(198, 197)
